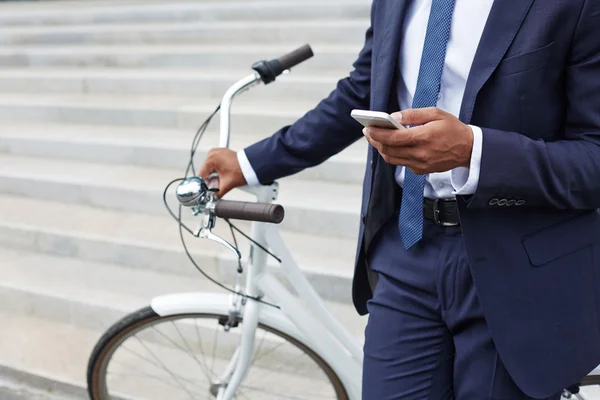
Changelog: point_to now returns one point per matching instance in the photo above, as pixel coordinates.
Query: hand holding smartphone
(376, 119)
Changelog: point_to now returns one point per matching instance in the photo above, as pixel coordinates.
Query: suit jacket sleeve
(322, 132)
(564, 174)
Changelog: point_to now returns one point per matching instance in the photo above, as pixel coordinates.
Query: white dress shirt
(468, 22)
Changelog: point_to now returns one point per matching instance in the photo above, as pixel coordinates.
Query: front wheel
(146, 356)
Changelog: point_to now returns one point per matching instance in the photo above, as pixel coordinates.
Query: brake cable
(190, 167)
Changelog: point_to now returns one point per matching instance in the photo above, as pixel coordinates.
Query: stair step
(327, 57)
(44, 353)
(161, 148)
(213, 32)
(20, 383)
(248, 115)
(53, 309)
(113, 13)
(109, 289)
(311, 207)
(199, 83)
(152, 243)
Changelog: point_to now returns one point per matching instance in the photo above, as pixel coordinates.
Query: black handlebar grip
(270, 70)
(295, 57)
(246, 211)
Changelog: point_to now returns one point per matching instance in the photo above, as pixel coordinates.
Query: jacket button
(493, 202)
(520, 202)
(502, 202)
(363, 218)
(511, 203)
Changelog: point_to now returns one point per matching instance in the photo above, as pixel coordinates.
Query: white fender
(216, 303)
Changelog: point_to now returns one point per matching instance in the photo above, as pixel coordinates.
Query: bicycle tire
(130, 325)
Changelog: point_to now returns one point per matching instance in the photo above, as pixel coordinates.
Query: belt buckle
(436, 214)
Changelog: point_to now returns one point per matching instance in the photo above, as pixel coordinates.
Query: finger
(223, 190)
(205, 171)
(392, 137)
(398, 161)
(414, 166)
(225, 185)
(397, 116)
(207, 167)
(401, 162)
(406, 154)
(372, 142)
(421, 116)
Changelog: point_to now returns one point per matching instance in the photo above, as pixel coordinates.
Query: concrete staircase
(99, 101)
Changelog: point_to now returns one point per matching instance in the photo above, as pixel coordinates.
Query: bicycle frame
(308, 321)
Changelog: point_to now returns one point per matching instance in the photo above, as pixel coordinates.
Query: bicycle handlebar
(260, 212)
(269, 70)
(265, 72)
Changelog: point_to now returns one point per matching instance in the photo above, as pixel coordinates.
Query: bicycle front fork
(240, 362)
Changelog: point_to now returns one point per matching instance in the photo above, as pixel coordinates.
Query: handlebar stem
(225, 115)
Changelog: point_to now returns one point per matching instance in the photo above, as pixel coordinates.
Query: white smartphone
(376, 119)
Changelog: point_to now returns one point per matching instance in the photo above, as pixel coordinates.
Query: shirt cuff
(465, 180)
(247, 170)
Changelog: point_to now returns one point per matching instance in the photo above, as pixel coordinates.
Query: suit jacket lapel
(505, 20)
(385, 52)
(382, 192)
(385, 60)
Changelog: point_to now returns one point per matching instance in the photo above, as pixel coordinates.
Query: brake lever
(205, 233)
(195, 193)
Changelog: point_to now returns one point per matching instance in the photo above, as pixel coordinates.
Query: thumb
(211, 164)
(419, 116)
(207, 168)
(225, 186)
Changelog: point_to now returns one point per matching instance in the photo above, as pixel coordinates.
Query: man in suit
(480, 221)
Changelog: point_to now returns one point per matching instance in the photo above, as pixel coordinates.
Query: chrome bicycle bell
(192, 192)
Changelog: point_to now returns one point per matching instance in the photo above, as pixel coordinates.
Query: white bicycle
(236, 346)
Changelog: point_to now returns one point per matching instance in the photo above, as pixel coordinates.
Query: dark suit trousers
(427, 337)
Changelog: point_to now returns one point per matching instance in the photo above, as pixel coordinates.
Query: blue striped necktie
(426, 95)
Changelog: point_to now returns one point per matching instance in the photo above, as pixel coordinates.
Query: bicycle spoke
(140, 356)
(191, 353)
(200, 342)
(191, 381)
(309, 396)
(259, 348)
(243, 395)
(182, 349)
(149, 361)
(270, 351)
(142, 374)
(165, 368)
(162, 360)
(272, 369)
(212, 366)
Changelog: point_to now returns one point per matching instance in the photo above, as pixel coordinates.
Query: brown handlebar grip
(260, 212)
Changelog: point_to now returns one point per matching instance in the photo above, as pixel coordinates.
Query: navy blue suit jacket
(534, 88)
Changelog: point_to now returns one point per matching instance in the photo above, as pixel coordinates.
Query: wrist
(470, 139)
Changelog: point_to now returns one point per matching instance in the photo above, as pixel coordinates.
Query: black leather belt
(443, 212)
